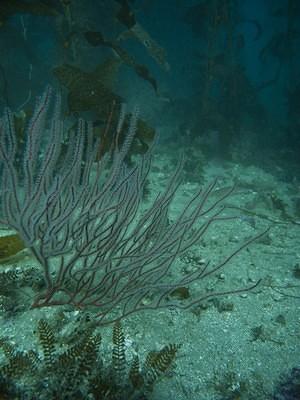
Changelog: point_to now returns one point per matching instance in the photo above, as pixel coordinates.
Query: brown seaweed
(87, 90)
(8, 8)
(91, 91)
(10, 245)
(125, 15)
(97, 39)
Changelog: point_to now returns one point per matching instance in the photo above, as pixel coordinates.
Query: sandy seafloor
(240, 346)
